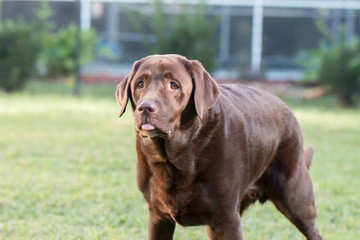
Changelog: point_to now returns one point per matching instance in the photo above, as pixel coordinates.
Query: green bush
(311, 59)
(58, 47)
(190, 33)
(335, 64)
(18, 52)
(340, 71)
(57, 56)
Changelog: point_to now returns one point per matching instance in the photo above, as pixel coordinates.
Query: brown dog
(207, 151)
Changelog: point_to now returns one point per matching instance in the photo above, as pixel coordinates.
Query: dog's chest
(183, 207)
(187, 204)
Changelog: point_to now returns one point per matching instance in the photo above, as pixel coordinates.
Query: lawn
(68, 169)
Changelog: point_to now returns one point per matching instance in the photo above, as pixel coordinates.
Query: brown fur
(206, 151)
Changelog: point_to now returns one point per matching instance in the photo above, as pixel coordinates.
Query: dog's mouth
(151, 130)
(147, 127)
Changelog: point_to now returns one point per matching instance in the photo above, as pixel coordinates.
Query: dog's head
(166, 91)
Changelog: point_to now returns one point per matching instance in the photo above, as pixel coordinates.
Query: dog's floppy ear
(123, 91)
(206, 90)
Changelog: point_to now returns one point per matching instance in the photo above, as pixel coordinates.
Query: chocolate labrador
(206, 151)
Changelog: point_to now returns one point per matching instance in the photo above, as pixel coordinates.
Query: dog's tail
(308, 155)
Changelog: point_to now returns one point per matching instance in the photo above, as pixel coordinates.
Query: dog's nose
(148, 107)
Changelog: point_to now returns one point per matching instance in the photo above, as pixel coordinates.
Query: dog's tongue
(147, 127)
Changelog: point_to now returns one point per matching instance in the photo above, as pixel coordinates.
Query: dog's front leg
(227, 228)
(160, 228)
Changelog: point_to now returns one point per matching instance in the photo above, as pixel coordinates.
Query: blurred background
(68, 164)
(247, 40)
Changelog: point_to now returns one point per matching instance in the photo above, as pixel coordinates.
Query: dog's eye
(174, 86)
(140, 85)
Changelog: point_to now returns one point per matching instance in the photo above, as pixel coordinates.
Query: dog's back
(259, 124)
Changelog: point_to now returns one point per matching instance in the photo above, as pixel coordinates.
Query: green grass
(68, 169)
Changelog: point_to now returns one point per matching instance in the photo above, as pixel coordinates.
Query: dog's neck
(172, 146)
(185, 145)
(173, 161)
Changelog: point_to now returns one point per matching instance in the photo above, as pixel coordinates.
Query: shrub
(335, 64)
(18, 52)
(340, 71)
(311, 59)
(59, 49)
(57, 56)
(190, 33)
